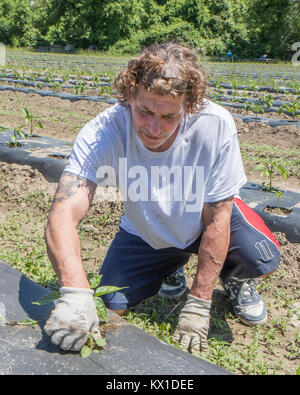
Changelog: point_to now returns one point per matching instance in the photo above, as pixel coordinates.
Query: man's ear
(187, 109)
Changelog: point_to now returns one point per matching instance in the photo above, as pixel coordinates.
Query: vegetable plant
(266, 100)
(17, 133)
(92, 344)
(268, 168)
(278, 194)
(30, 118)
(292, 107)
(80, 87)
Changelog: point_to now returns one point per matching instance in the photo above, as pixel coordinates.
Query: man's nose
(155, 126)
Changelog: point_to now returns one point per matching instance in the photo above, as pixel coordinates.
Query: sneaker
(246, 301)
(173, 286)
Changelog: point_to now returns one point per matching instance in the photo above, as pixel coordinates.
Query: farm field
(246, 89)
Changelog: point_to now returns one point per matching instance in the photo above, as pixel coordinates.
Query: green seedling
(96, 80)
(92, 345)
(256, 108)
(17, 133)
(266, 100)
(278, 195)
(80, 87)
(93, 342)
(56, 85)
(292, 107)
(30, 118)
(268, 168)
(105, 90)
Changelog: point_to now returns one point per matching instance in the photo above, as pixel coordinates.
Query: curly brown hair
(167, 63)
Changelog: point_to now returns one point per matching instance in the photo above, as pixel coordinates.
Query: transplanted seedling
(17, 133)
(93, 342)
(268, 168)
(30, 118)
(278, 195)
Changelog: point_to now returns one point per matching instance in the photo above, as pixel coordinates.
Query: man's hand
(74, 316)
(193, 324)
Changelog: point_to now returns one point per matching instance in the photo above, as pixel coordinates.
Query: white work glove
(73, 318)
(193, 324)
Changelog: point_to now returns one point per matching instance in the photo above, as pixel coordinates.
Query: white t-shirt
(163, 192)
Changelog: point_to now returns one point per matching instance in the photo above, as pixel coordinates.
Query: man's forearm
(64, 251)
(212, 254)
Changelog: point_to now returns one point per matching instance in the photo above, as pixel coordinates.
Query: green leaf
(3, 129)
(100, 342)
(85, 352)
(27, 321)
(101, 308)
(107, 289)
(284, 173)
(21, 133)
(25, 112)
(279, 193)
(94, 279)
(260, 166)
(53, 295)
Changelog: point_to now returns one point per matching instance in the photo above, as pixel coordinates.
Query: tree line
(248, 28)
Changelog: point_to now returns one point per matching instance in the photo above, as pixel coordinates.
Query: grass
(22, 240)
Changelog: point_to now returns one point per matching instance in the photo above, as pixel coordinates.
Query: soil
(62, 119)
(277, 210)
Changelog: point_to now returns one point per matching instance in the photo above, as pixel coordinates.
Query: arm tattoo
(68, 186)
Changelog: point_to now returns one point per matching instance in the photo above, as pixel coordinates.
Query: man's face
(156, 118)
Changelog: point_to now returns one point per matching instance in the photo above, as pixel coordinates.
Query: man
(229, 56)
(176, 160)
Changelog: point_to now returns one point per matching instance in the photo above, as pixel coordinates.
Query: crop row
(91, 78)
(255, 69)
(110, 100)
(265, 103)
(275, 74)
(96, 80)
